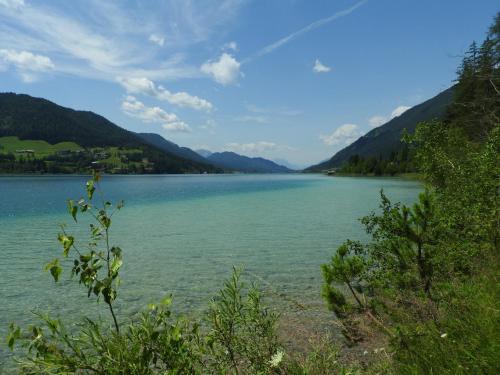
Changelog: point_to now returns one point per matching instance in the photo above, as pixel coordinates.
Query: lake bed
(182, 234)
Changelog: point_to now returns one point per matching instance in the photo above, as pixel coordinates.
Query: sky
(293, 80)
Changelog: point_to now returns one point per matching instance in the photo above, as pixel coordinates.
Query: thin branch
(492, 84)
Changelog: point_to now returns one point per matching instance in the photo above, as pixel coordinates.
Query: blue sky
(283, 79)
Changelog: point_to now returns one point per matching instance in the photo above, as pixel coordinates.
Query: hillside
(245, 164)
(386, 139)
(204, 153)
(164, 144)
(103, 144)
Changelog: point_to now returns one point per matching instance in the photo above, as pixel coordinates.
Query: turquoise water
(182, 235)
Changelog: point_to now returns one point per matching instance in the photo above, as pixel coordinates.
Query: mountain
(289, 165)
(385, 139)
(163, 144)
(204, 153)
(246, 164)
(23, 118)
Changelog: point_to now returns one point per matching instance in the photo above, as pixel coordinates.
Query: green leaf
(105, 220)
(85, 257)
(167, 301)
(90, 188)
(55, 269)
(67, 242)
(116, 251)
(72, 209)
(13, 335)
(98, 287)
(115, 266)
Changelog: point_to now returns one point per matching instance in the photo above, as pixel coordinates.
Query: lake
(182, 234)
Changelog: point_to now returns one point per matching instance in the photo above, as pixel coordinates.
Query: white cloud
(103, 40)
(158, 39)
(12, 3)
(27, 63)
(147, 87)
(134, 108)
(252, 148)
(225, 71)
(378, 120)
(177, 127)
(343, 135)
(399, 111)
(233, 46)
(320, 68)
(26, 60)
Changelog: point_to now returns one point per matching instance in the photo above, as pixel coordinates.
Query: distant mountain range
(229, 161)
(204, 153)
(385, 139)
(94, 141)
(29, 118)
(172, 148)
(240, 163)
(286, 163)
(121, 151)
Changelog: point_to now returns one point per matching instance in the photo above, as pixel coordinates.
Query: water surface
(182, 235)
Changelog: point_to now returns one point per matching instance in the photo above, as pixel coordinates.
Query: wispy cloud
(169, 121)
(252, 148)
(102, 40)
(233, 46)
(158, 39)
(398, 111)
(209, 126)
(12, 3)
(320, 68)
(177, 127)
(312, 26)
(252, 119)
(378, 120)
(147, 87)
(343, 135)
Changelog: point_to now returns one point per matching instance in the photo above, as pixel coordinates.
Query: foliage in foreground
(236, 335)
(429, 279)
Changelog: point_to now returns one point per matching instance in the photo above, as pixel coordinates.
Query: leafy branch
(97, 263)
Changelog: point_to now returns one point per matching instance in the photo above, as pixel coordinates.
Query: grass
(41, 148)
(115, 154)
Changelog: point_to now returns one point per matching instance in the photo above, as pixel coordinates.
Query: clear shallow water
(182, 235)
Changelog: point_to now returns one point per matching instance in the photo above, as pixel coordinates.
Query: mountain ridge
(32, 118)
(241, 163)
(383, 140)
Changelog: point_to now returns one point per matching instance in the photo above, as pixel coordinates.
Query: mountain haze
(204, 153)
(234, 161)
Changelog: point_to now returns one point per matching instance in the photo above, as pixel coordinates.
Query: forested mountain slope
(386, 139)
